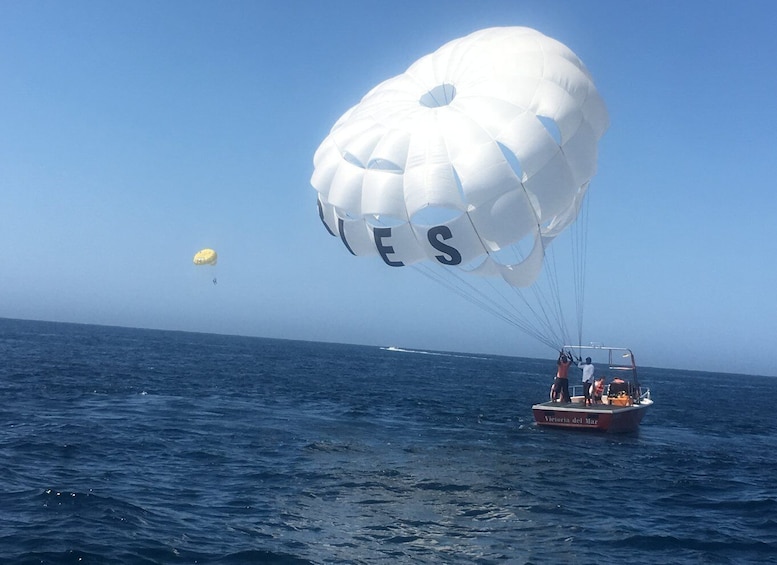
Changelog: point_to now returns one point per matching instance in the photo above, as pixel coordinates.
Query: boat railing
(638, 394)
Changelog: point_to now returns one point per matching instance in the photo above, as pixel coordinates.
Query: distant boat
(622, 406)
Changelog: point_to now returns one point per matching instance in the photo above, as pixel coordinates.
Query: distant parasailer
(206, 257)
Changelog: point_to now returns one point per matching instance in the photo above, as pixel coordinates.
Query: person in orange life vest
(597, 390)
(561, 382)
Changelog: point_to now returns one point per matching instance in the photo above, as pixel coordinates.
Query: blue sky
(133, 134)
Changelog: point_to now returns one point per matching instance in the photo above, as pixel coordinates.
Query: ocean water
(137, 446)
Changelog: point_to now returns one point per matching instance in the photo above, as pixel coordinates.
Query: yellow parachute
(206, 257)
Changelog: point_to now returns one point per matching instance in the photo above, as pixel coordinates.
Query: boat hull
(600, 417)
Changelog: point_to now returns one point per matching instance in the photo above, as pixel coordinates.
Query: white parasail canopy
(476, 157)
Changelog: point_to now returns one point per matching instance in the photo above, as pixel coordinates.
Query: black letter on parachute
(321, 215)
(452, 257)
(384, 250)
(340, 228)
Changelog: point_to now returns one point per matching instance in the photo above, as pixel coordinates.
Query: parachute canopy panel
(205, 257)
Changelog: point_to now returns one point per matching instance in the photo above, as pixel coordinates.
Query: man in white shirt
(588, 378)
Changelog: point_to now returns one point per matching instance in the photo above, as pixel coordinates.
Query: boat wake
(438, 353)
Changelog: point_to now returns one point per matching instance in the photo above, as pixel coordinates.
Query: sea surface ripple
(137, 446)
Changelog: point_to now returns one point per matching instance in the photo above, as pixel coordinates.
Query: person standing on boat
(598, 390)
(561, 382)
(588, 378)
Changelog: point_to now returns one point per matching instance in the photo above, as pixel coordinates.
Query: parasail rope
(536, 310)
(579, 255)
(535, 321)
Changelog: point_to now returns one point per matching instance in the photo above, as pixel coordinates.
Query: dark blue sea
(137, 446)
